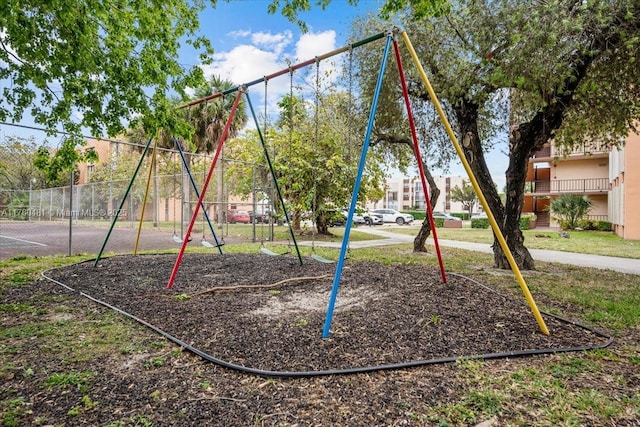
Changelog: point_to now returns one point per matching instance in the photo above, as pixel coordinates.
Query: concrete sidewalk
(623, 265)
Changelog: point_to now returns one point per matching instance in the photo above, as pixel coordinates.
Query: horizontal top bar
(290, 69)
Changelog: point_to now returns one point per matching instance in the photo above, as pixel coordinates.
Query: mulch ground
(267, 313)
(67, 361)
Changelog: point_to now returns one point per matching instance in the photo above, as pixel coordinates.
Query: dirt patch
(251, 311)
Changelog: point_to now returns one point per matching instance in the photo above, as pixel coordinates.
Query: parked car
(392, 215)
(257, 217)
(372, 219)
(234, 216)
(479, 215)
(445, 216)
(365, 217)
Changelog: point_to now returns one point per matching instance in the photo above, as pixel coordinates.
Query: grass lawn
(588, 242)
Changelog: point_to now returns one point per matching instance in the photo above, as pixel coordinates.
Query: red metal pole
(416, 150)
(223, 137)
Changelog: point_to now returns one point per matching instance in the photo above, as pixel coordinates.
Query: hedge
(525, 222)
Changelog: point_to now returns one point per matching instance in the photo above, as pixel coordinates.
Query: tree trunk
(508, 219)
(515, 176)
(296, 220)
(321, 224)
(419, 243)
(524, 140)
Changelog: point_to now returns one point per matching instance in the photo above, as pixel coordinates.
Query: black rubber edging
(357, 370)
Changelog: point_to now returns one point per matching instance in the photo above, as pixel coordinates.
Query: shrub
(568, 209)
(526, 220)
(586, 224)
(603, 226)
(439, 222)
(480, 223)
(417, 215)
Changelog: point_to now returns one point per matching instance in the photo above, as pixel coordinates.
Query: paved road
(623, 265)
(47, 239)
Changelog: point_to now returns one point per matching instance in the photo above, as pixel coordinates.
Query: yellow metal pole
(146, 194)
(476, 187)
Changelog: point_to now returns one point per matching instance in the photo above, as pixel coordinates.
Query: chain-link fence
(30, 217)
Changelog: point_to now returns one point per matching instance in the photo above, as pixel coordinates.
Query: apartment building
(407, 193)
(602, 173)
(624, 195)
(106, 150)
(553, 172)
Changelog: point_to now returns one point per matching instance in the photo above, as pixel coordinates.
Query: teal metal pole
(115, 217)
(273, 175)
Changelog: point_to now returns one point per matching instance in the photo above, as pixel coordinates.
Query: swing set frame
(391, 39)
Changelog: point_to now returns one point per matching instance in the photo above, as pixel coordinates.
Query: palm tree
(568, 209)
(209, 119)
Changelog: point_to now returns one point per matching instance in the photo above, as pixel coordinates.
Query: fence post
(29, 207)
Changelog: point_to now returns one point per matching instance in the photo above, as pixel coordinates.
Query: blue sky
(250, 43)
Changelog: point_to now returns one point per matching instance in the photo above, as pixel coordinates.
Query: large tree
(570, 79)
(17, 171)
(79, 64)
(314, 149)
(95, 64)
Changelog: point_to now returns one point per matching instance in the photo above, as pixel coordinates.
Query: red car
(234, 216)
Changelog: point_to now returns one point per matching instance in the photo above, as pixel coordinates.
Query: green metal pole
(115, 217)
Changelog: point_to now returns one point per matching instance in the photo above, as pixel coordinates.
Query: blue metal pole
(195, 188)
(356, 190)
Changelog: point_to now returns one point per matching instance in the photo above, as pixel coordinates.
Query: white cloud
(239, 34)
(242, 64)
(268, 53)
(311, 45)
(274, 42)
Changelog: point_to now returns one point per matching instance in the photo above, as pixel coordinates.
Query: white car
(364, 218)
(445, 216)
(392, 215)
(479, 215)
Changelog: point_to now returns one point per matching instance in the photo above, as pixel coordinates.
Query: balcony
(574, 186)
(588, 149)
(544, 153)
